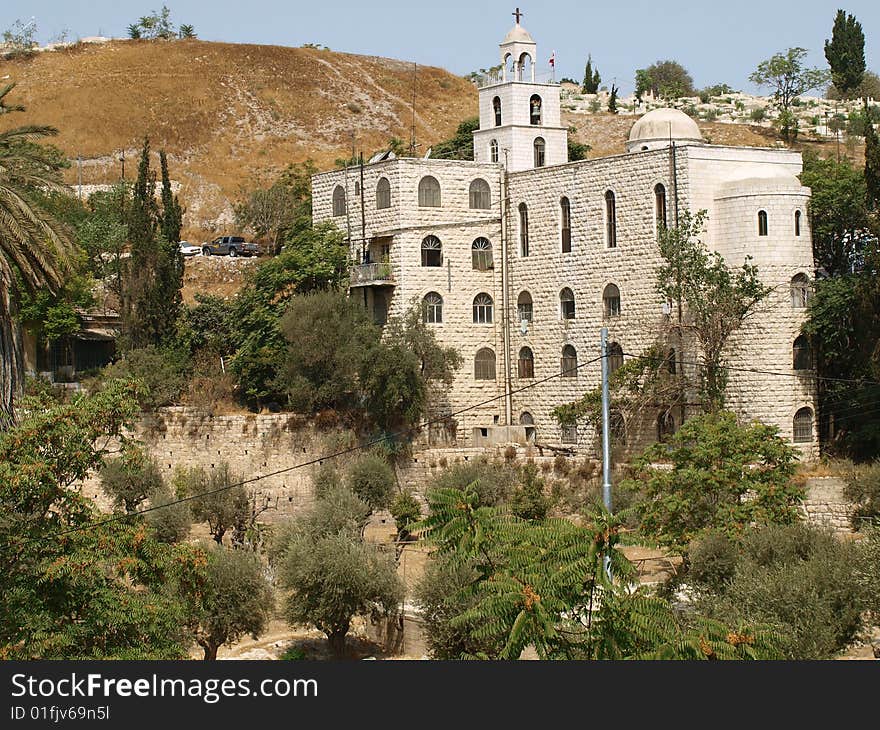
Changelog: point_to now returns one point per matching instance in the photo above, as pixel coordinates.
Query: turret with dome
(660, 127)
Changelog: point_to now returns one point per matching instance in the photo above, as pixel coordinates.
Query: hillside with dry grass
(230, 116)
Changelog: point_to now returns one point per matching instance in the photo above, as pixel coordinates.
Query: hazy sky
(716, 42)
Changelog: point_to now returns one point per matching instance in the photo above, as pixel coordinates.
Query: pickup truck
(230, 246)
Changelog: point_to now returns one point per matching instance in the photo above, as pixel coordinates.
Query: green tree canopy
(845, 53)
(665, 80)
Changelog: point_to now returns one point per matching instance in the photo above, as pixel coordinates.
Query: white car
(188, 249)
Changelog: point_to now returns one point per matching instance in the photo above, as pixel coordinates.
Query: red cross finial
(517, 15)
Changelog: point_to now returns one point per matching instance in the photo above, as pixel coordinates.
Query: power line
(317, 460)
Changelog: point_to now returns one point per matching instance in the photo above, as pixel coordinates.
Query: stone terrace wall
(825, 504)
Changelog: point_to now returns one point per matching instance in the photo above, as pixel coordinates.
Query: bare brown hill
(229, 115)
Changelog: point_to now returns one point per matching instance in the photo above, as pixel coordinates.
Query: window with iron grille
(481, 254)
(493, 150)
(569, 362)
(610, 220)
(566, 304)
(383, 193)
(800, 291)
(540, 149)
(611, 300)
(569, 434)
(432, 251)
(565, 209)
(615, 356)
(526, 363)
(338, 201)
(480, 197)
(802, 426)
(524, 307)
(483, 306)
(484, 364)
(523, 230)
(802, 355)
(429, 192)
(432, 308)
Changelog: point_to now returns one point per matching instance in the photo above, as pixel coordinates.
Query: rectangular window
(570, 434)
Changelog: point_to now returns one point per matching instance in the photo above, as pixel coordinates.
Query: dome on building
(654, 130)
(517, 34)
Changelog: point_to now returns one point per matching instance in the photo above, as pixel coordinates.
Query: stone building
(520, 257)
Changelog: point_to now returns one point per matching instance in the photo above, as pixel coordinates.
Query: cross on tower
(517, 15)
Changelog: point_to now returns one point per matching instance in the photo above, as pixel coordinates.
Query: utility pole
(79, 176)
(606, 424)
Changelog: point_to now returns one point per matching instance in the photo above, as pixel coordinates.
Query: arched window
(484, 364)
(483, 306)
(797, 223)
(569, 362)
(618, 427)
(481, 254)
(432, 308)
(493, 150)
(610, 220)
(523, 230)
(535, 109)
(525, 364)
(429, 192)
(540, 147)
(659, 207)
(480, 196)
(762, 222)
(615, 356)
(665, 426)
(800, 291)
(383, 193)
(670, 362)
(566, 304)
(526, 419)
(611, 301)
(338, 200)
(524, 306)
(802, 356)
(432, 251)
(496, 108)
(565, 220)
(802, 426)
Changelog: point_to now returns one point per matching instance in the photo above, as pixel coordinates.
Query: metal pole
(606, 425)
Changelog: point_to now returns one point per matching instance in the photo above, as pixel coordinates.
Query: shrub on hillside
(162, 373)
(406, 511)
(372, 479)
(493, 483)
(863, 489)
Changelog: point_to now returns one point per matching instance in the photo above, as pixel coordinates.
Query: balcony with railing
(373, 274)
(493, 77)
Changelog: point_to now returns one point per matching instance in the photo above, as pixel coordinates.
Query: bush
(863, 489)
(161, 372)
(130, 479)
(326, 480)
(171, 522)
(225, 503)
(712, 560)
(758, 115)
(803, 582)
(372, 479)
(406, 511)
(493, 483)
(293, 654)
(529, 501)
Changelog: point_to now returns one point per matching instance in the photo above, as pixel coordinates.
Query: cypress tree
(591, 78)
(872, 163)
(845, 53)
(612, 100)
(171, 277)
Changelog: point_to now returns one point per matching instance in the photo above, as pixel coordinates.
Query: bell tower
(520, 120)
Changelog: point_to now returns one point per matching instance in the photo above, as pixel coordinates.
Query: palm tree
(33, 246)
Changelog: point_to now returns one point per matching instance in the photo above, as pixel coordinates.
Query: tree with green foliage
(577, 150)
(156, 25)
(99, 590)
(281, 210)
(233, 599)
(130, 479)
(592, 79)
(665, 80)
(154, 272)
(612, 100)
(841, 224)
(723, 476)
(372, 479)
(406, 512)
(811, 587)
(461, 145)
(331, 574)
(529, 502)
(717, 300)
(513, 584)
(845, 53)
(311, 260)
(872, 165)
(169, 519)
(34, 247)
(869, 88)
(187, 31)
(220, 498)
(787, 75)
